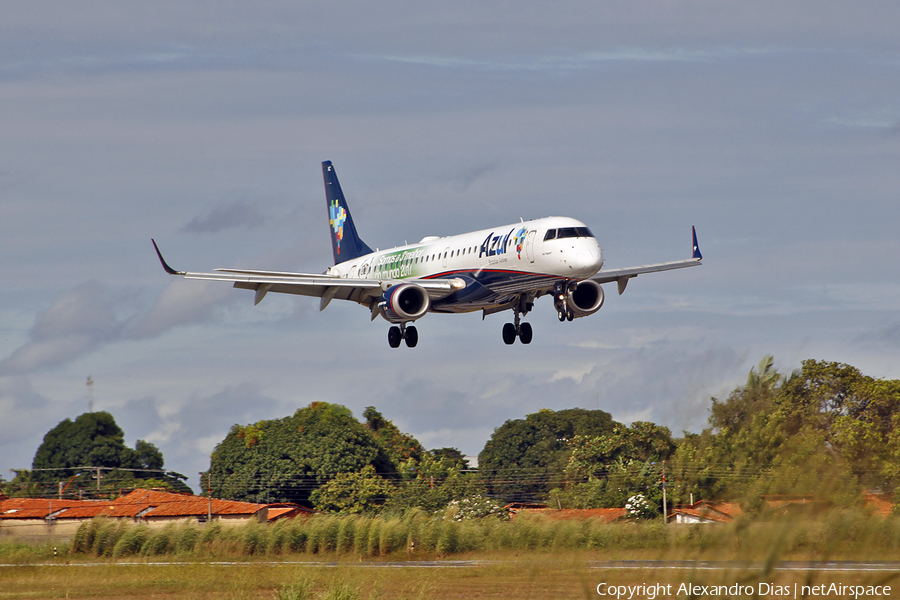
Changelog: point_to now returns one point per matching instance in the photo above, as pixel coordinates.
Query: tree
(353, 493)
(399, 446)
(95, 440)
(827, 430)
(603, 471)
(525, 458)
(287, 459)
(431, 483)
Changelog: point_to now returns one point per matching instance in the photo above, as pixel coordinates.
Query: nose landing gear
(403, 332)
(563, 312)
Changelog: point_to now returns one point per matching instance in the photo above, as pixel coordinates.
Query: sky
(772, 127)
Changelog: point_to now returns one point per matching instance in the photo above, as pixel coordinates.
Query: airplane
(492, 270)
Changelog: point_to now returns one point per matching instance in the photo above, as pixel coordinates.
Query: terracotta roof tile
(33, 508)
(879, 504)
(163, 504)
(719, 512)
(182, 505)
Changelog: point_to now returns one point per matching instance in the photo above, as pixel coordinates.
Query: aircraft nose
(586, 262)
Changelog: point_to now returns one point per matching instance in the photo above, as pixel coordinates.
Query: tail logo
(337, 215)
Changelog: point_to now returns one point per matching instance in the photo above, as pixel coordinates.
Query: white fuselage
(507, 260)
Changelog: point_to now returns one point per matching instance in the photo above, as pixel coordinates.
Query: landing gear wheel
(394, 336)
(525, 333)
(570, 315)
(509, 334)
(412, 337)
(561, 315)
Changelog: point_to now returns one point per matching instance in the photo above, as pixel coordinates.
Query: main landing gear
(523, 332)
(520, 330)
(396, 334)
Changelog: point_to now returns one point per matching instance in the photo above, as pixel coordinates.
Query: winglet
(165, 265)
(697, 254)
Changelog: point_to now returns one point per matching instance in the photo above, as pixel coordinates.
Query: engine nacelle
(404, 302)
(585, 299)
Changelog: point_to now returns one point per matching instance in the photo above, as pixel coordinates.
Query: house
(287, 510)
(705, 512)
(881, 505)
(156, 508)
(39, 516)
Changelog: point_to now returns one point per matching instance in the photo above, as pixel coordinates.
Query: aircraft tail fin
(345, 242)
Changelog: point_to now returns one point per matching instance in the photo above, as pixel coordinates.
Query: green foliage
(95, 440)
(300, 589)
(825, 536)
(524, 456)
(433, 482)
(98, 537)
(342, 591)
(286, 459)
(131, 542)
(399, 446)
(251, 434)
(23, 485)
(595, 455)
(827, 431)
(353, 493)
(613, 487)
(160, 542)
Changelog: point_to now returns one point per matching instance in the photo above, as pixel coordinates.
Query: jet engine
(585, 299)
(404, 302)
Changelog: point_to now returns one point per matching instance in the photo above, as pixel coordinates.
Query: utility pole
(665, 520)
(209, 495)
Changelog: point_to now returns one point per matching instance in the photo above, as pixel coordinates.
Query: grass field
(531, 575)
(328, 559)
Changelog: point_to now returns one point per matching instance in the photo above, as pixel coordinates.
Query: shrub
(296, 537)
(159, 542)
(299, 590)
(373, 544)
(84, 537)
(341, 591)
(132, 541)
(186, 539)
(107, 534)
(361, 536)
(345, 535)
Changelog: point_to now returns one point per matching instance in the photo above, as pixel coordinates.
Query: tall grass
(840, 533)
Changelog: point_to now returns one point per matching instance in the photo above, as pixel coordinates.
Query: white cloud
(180, 304)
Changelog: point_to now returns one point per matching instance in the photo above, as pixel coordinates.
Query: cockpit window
(551, 233)
(573, 232)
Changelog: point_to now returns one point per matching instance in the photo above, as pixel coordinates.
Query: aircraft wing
(324, 286)
(621, 276)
